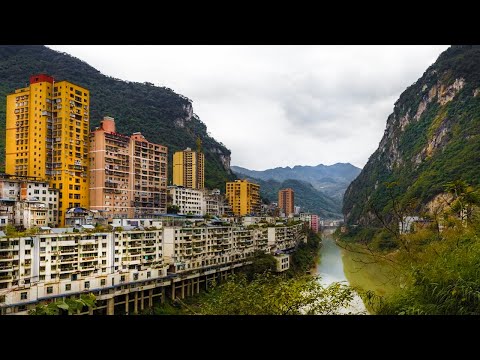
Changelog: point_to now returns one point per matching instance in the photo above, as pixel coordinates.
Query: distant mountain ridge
(306, 196)
(331, 180)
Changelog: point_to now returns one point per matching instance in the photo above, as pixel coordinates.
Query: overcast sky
(278, 105)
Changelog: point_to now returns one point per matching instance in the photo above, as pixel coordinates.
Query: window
(122, 278)
(24, 296)
(87, 284)
(103, 282)
(68, 287)
(149, 274)
(49, 289)
(2, 298)
(135, 276)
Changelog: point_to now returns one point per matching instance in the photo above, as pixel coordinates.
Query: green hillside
(432, 137)
(162, 115)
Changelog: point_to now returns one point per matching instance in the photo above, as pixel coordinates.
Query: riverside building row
(127, 270)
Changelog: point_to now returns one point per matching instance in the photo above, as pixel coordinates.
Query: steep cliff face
(432, 137)
(162, 115)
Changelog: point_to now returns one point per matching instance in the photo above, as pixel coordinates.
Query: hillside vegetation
(431, 138)
(162, 115)
(306, 196)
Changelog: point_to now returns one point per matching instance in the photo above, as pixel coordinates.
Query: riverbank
(368, 271)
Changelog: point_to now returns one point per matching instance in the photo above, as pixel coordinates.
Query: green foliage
(274, 295)
(444, 277)
(261, 263)
(11, 231)
(162, 115)
(455, 156)
(167, 308)
(69, 305)
(465, 197)
(306, 254)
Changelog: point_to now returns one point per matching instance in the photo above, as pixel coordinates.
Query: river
(330, 268)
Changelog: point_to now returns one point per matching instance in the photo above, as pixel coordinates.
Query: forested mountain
(306, 196)
(431, 138)
(162, 115)
(331, 180)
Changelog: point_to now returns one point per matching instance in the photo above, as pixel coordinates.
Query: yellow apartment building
(47, 129)
(189, 169)
(244, 197)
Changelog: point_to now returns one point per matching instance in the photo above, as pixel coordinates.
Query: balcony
(88, 258)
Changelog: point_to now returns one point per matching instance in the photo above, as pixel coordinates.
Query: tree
(274, 295)
(261, 263)
(465, 197)
(68, 305)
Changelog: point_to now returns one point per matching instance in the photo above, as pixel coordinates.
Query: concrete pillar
(150, 298)
(111, 306)
(173, 290)
(90, 311)
(183, 289)
(198, 285)
(162, 300)
(127, 297)
(135, 303)
(142, 300)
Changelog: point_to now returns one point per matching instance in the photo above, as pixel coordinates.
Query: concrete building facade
(286, 201)
(244, 197)
(189, 201)
(47, 126)
(127, 270)
(128, 174)
(22, 199)
(189, 169)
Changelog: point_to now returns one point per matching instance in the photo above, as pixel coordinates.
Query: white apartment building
(285, 237)
(121, 222)
(33, 193)
(283, 262)
(189, 201)
(214, 203)
(31, 213)
(43, 267)
(130, 265)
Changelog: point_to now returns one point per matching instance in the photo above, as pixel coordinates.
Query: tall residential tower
(286, 201)
(244, 197)
(47, 130)
(128, 174)
(189, 169)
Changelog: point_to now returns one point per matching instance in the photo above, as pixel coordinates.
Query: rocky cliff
(431, 137)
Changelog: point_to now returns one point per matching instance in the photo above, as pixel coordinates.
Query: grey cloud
(296, 105)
